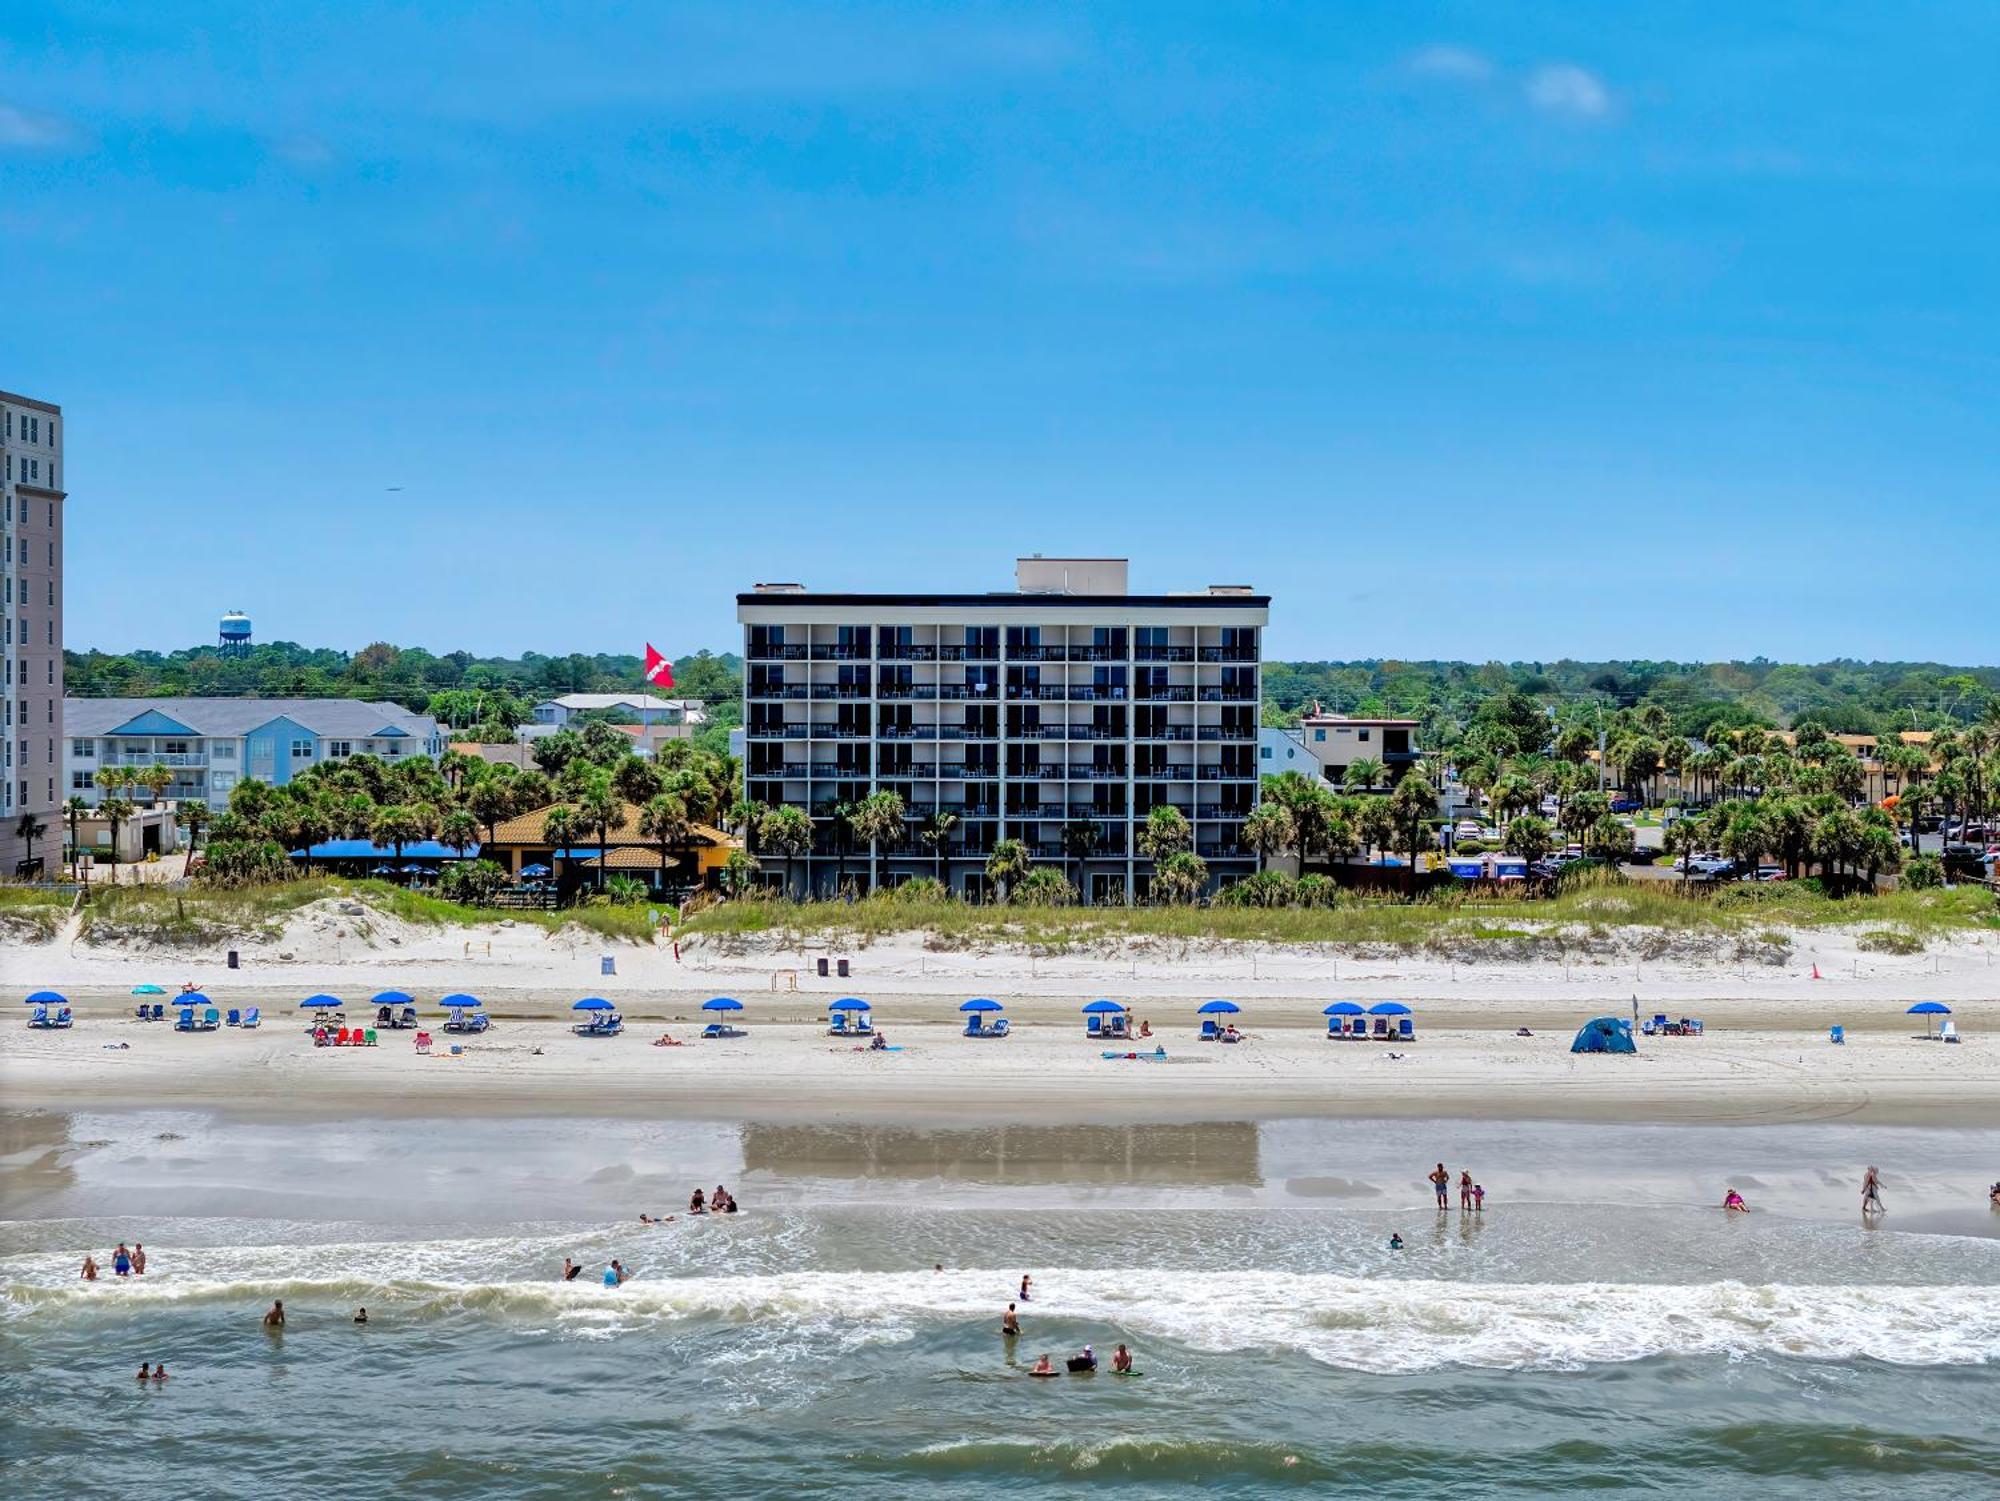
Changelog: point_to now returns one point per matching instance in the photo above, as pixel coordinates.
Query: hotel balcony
(143, 758)
(1163, 654)
(777, 690)
(968, 654)
(787, 652)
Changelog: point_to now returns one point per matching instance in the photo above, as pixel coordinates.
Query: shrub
(244, 862)
(922, 889)
(1267, 888)
(1315, 891)
(471, 882)
(1923, 873)
(625, 891)
(1044, 886)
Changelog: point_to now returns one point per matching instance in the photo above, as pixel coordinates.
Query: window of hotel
(1362, 735)
(81, 781)
(223, 750)
(340, 747)
(302, 750)
(221, 781)
(1319, 734)
(83, 750)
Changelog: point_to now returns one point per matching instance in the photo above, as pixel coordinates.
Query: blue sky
(1465, 330)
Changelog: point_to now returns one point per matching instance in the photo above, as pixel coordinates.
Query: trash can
(232, 958)
(842, 966)
(822, 969)
(608, 965)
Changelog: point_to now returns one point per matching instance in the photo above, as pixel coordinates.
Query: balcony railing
(1228, 654)
(968, 653)
(1093, 732)
(893, 652)
(1096, 773)
(174, 758)
(1163, 694)
(778, 690)
(1167, 774)
(1167, 732)
(1228, 774)
(1034, 653)
(1222, 851)
(958, 691)
(1043, 692)
(780, 652)
(899, 691)
(1163, 654)
(849, 691)
(908, 732)
(839, 732)
(777, 732)
(1225, 732)
(1097, 654)
(1106, 693)
(1228, 695)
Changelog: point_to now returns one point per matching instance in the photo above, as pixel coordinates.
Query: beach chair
(142, 1011)
(1947, 1031)
(839, 1027)
(250, 1019)
(863, 1027)
(384, 1017)
(423, 1042)
(159, 1011)
(39, 1017)
(1691, 1026)
(408, 1018)
(998, 1029)
(972, 1027)
(1209, 1030)
(713, 1029)
(185, 1022)
(1837, 1036)
(235, 1017)
(1093, 1026)
(210, 1019)
(1406, 1028)
(341, 1038)
(369, 1037)
(64, 1018)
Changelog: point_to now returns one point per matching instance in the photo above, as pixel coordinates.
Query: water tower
(234, 638)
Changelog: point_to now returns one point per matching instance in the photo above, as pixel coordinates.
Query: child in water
(1396, 1242)
(1733, 1201)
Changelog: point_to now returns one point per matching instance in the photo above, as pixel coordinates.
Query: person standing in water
(1010, 1323)
(1464, 1189)
(121, 1261)
(1441, 1181)
(146, 1371)
(614, 1275)
(275, 1319)
(138, 1260)
(89, 1272)
(1121, 1361)
(1871, 1192)
(1025, 1279)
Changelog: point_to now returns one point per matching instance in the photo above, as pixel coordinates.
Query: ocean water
(1614, 1336)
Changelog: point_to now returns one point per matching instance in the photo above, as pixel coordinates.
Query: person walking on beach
(138, 1260)
(1441, 1181)
(1478, 1198)
(275, 1319)
(1871, 1192)
(1464, 1190)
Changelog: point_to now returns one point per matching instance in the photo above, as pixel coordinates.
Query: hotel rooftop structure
(1068, 701)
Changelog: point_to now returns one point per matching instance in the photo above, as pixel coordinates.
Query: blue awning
(365, 849)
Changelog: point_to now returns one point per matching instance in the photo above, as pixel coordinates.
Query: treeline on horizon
(1843, 696)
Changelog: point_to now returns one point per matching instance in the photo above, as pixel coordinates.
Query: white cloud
(32, 129)
(1568, 91)
(1451, 62)
(302, 150)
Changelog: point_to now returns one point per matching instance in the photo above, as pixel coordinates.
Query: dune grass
(209, 915)
(1598, 906)
(31, 912)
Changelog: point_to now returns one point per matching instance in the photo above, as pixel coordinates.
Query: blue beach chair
(250, 1018)
(210, 1019)
(39, 1017)
(1837, 1036)
(235, 1017)
(1406, 1028)
(1209, 1030)
(185, 1023)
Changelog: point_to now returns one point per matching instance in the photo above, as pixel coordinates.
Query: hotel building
(1068, 701)
(31, 641)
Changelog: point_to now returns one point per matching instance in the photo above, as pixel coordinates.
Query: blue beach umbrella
(1103, 1008)
(316, 1001)
(47, 998)
(535, 870)
(1343, 1008)
(723, 1003)
(980, 1005)
(191, 999)
(149, 990)
(1217, 1008)
(1925, 1009)
(845, 1003)
(460, 1003)
(593, 1003)
(392, 998)
(1389, 1008)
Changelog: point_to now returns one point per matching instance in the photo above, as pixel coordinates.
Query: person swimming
(570, 1270)
(1395, 1241)
(1044, 1367)
(1087, 1361)
(159, 1370)
(89, 1271)
(698, 1203)
(360, 1315)
(275, 1319)
(1010, 1323)
(146, 1371)
(1024, 1286)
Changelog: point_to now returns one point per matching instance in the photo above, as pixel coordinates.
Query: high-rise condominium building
(1060, 714)
(31, 641)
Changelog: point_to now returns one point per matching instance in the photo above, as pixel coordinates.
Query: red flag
(659, 671)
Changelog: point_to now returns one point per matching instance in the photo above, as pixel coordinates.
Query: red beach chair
(423, 1042)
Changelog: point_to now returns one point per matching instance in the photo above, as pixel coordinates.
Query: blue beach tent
(1604, 1034)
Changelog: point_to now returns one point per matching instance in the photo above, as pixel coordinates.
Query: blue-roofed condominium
(211, 744)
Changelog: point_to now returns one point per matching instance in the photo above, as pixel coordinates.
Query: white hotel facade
(1069, 699)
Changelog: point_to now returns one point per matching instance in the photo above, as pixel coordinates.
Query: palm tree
(603, 813)
(1363, 775)
(786, 831)
(664, 820)
(1167, 832)
(458, 830)
(74, 808)
(1530, 836)
(394, 825)
(1413, 805)
(156, 779)
(1270, 829)
(1685, 837)
(490, 800)
(115, 810)
(936, 835)
(841, 826)
(1080, 839)
(1179, 877)
(1006, 865)
(562, 827)
(28, 830)
(878, 818)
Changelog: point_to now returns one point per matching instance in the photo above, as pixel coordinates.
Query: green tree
(665, 822)
(75, 808)
(1363, 774)
(1270, 830)
(1413, 806)
(395, 826)
(879, 819)
(491, 801)
(1006, 864)
(1080, 839)
(1179, 877)
(29, 829)
(1531, 837)
(458, 829)
(1166, 832)
(786, 831)
(936, 837)
(603, 814)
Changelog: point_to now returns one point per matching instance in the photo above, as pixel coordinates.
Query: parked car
(1625, 805)
(1767, 873)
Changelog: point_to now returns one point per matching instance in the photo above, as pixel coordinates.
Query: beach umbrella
(1925, 1009)
(537, 869)
(1102, 1008)
(1217, 1008)
(1389, 1008)
(1343, 1008)
(149, 990)
(459, 1003)
(724, 1003)
(392, 998)
(593, 1003)
(47, 998)
(191, 998)
(311, 1000)
(845, 1003)
(980, 1005)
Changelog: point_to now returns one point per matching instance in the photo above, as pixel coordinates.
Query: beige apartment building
(31, 639)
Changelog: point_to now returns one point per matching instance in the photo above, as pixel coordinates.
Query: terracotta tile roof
(531, 829)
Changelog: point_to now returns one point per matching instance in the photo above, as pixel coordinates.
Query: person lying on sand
(666, 1040)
